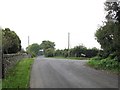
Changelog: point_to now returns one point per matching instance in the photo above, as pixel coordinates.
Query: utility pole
(68, 43)
(28, 40)
(68, 40)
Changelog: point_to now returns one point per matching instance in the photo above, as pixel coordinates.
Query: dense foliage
(33, 49)
(77, 51)
(0, 40)
(113, 11)
(106, 64)
(108, 35)
(47, 44)
(48, 48)
(11, 43)
(49, 52)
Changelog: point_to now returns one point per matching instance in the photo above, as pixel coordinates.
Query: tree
(78, 51)
(33, 49)
(113, 11)
(47, 44)
(11, 42)
(59, 52)
(65, 52)
(0, 42)
(91, 52)
(108, 35)
(49, 52)
(48, 47)
(104, 36)
(0, 38)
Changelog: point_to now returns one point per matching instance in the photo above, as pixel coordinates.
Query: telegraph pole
(68, 40)
(68, 43)
(28, 40)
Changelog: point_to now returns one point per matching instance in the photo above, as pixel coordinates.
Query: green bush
(49, 52)
(33, 49)
(106, 64)
(96, 58)
(10, 41)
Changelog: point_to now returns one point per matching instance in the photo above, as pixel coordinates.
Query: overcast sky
(53, 19)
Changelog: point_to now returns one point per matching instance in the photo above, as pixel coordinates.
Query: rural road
(61, 73)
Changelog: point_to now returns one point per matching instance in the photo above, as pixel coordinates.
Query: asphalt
(62, 73)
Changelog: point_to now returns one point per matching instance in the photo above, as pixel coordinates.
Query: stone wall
(10, 60)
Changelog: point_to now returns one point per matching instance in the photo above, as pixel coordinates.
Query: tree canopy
(113, 11)
(108, 35)
(48, 48)
(11, 42)
(77, 51)
(33, 49)
(0, 38)
(47, 44)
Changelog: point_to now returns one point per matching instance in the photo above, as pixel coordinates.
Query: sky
(52, 20)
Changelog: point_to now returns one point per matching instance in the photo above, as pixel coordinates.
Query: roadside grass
(78, 58)
(0, 84)
(105, 64)
(71, 58)
(19, 75)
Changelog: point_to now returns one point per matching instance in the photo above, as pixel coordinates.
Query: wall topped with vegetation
(10, 60)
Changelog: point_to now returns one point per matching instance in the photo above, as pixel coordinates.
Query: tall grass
(19, 76)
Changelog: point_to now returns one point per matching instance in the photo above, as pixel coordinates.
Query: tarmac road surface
(62, 73)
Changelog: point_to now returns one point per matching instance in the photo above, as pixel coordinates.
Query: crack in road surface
(62, 73)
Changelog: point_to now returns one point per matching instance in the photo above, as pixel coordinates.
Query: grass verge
(105, 64)
(18, 76)
(0, 84)
(71, 58)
